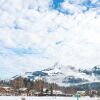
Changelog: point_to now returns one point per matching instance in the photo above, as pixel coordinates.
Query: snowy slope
(46, 98)
(65, 75)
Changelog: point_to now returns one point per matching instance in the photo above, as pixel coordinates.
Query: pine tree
(51, 90)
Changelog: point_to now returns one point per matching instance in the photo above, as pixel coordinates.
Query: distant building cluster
(25, 87)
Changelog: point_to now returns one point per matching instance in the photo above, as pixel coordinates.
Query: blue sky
(56, 3)
(36, 34)
(86, 3)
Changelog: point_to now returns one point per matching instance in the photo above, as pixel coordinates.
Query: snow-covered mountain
(65, 75)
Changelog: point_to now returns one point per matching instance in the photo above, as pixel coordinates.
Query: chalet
(58, 93)
(23, 91)
(82, 93)
(6, 91)
(93, 93)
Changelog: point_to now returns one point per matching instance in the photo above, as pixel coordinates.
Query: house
(93, 93)
(58, 93)
(6, 91)
(23, 91)
(82, 93)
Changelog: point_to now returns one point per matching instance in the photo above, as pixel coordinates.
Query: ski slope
(46, 98)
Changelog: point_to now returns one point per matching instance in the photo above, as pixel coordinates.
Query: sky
(34, 34)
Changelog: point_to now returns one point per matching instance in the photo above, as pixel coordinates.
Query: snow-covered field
(46, 98)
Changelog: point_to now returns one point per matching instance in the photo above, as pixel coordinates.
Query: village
(25, 87)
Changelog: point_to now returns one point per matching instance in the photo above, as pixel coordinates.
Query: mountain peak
(65, 75)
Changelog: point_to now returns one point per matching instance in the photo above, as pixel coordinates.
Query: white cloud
(31, 26)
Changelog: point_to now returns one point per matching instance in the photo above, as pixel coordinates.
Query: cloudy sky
(34, 34)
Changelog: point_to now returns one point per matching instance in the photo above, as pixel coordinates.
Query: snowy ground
(46, 98)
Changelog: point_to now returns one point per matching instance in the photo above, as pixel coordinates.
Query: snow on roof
(57, 92)
(23, 89)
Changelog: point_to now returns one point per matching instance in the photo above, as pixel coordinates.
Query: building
(5, 91)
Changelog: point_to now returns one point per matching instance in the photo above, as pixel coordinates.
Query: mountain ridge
(65, 75)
